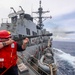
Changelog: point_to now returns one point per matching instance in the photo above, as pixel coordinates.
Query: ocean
(67, 47)
(65, 57)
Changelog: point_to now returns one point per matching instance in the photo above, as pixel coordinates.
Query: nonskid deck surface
(29, 72)
(25, 68)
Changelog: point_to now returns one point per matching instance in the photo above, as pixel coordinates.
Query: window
(28, 31)
(34, 33)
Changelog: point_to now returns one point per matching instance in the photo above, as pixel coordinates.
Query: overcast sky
(62, 12)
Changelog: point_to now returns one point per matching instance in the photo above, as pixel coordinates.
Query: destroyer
(38, 58)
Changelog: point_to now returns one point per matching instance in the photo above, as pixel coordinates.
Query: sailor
(8, 53)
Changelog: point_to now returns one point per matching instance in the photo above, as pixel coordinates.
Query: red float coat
(8, 55)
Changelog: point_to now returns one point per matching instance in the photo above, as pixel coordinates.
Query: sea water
(65, 57)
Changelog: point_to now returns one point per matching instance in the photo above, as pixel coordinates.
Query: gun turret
(23, 37)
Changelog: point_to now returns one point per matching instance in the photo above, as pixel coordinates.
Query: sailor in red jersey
(8, 53)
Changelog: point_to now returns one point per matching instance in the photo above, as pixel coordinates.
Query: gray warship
(38, 58)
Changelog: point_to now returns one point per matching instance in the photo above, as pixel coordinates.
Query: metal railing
(32, 63)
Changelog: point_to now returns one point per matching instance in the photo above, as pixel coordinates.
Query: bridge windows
(28, 31)
(34, 33)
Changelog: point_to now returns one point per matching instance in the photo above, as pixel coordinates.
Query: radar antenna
(21, 8)
(13, 9)
(41, 18)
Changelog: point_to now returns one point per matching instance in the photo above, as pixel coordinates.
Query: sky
(62, 12)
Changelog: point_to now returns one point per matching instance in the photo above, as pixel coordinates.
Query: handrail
(51, 66)
(34, 63)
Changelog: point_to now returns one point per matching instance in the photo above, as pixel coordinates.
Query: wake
(65, 62)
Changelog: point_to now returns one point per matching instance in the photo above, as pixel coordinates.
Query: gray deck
(29, 70)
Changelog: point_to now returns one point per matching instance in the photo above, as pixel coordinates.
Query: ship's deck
(26, 69)
(29, 72)
(32, 67)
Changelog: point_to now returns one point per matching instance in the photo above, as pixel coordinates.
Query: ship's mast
(40, 17)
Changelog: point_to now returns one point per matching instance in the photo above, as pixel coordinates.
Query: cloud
(60, 7)
(61, 24)
(56, 7)
(9, 3)
(63, 21)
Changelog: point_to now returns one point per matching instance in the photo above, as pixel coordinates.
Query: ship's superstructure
(22, 25)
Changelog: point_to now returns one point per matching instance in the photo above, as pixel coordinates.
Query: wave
(64, 56)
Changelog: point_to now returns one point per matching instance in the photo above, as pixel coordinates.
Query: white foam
(65, 56)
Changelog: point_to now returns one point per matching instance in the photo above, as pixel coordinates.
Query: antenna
(41, 18)
(40, 3)
(21, 8)
(13, 9)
